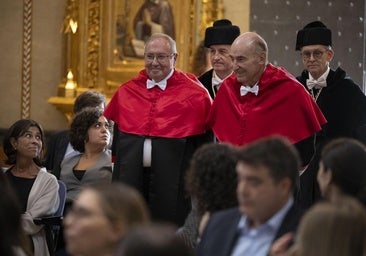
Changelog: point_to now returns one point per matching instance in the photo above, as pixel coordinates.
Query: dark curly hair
(78, 135)
(211, 178)
(17, 130)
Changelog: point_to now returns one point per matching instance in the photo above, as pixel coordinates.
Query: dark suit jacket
(220, 234)
(55, 152)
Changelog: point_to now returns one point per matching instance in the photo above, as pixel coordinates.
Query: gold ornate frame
(91, 51)
(116, 70)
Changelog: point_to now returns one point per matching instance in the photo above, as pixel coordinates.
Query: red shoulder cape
(283, 107)
(179, 111)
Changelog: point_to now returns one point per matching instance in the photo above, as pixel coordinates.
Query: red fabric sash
(283, 107)
(179, 111)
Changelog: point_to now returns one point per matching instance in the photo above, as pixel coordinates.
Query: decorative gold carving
(105, 68)
(93, 45)
(71, 17)
(65, 105)
(26, 60)
(211, 11)
(67, 87)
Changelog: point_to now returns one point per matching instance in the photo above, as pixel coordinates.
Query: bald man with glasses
(339, 98)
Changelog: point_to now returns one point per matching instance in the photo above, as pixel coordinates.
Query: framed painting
(128, 24)
(104, 39)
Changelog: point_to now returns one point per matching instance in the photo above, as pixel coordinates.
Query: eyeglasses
(306, 55)
(149, 57)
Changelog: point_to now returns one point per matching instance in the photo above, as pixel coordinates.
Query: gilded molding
(211, 11)
(26, 60)
(93, 44)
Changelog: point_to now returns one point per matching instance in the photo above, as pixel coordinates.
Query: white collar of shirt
(273, 223)
(317, 83)
(216, 80)
(150, 83)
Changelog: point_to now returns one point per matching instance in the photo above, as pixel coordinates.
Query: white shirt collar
(322, 77)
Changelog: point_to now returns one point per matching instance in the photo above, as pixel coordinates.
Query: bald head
(252, 41)
(249, 55)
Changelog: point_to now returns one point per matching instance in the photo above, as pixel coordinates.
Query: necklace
(316, 96)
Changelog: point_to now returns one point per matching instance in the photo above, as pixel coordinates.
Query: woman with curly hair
(90, 135)
(211, 181)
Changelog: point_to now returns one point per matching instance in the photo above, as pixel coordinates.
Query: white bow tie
(151, 84)
(245, 89)
(216, 81)
(317, 84)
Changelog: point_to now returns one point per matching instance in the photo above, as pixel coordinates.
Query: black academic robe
(206, 80)
(168, 200)
(175, 121)
(344, 106)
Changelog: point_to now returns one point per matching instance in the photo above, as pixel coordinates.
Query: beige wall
(46, 57)
(238, 12)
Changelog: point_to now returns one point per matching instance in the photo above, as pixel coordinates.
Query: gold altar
(98, 35)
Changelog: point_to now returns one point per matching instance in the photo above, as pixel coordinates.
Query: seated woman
(90, 135)
(101, 216)
(342, 169)
(36, 189)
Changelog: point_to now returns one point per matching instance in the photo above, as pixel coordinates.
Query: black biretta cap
(314, 33)
(222, 32)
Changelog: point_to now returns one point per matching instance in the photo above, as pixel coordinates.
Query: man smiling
(218, 40)
(259, 100)
(161, 119)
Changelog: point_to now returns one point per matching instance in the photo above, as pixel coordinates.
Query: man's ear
(262, 57)
(330, 55)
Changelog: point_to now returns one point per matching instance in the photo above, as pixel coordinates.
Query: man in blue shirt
(267, 179)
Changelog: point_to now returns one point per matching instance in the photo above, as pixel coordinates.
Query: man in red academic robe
(161, 118)
(260, 100)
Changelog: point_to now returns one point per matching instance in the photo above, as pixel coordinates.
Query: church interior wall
(277, 21)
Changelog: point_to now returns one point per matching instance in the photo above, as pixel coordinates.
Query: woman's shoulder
(45, 174)
(106, 158)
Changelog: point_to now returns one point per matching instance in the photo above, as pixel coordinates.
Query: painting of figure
(153, 16)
